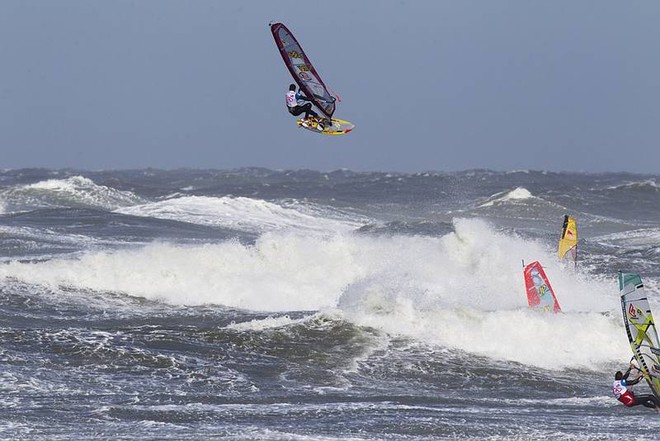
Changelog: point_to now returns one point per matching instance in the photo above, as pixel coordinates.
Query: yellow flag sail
(568, 241)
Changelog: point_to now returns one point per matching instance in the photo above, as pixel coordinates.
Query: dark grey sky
(430, 84)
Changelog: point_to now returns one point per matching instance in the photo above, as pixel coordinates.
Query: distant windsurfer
(622, 389)
(296, 103)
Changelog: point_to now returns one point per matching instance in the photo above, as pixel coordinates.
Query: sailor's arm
(634, 381)
(627, 372)
(300, 96)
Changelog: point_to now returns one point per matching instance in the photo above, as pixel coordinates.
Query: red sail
(540, 294)
(302, 70)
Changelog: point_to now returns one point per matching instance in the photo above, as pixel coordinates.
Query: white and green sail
(640, 327)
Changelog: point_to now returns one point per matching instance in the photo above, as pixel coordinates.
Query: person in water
(622, 389)
(295, 102)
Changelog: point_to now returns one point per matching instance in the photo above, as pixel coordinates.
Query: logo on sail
(631, 311)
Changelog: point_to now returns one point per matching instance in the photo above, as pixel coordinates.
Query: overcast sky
(429, 84)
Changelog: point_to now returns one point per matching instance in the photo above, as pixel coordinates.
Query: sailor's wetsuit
(626, 396)
(295, 102)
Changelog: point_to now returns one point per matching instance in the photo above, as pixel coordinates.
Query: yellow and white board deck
(338, 127)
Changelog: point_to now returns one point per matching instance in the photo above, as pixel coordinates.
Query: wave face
(276, 304)
(71, 192)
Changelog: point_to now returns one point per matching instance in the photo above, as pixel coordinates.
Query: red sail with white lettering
(540, 294)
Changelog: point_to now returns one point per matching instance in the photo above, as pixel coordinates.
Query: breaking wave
(74, 192)
(518, 194)
(463, 290)
(241, 213)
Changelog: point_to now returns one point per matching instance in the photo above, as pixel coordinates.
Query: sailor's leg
(649, 401)
(308, 111)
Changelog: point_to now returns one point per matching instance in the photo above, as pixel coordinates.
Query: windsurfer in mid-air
(295, 102)
(622, 389)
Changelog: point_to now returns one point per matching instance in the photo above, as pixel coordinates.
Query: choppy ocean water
(262, 304)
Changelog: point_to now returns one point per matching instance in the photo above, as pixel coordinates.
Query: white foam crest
(67, 185)
(464, 290)
(279, 273)
(266, 323)
(517, 194)
(72, 191)
(551, 341)
(471, 297)
(241, 213)
(646, 184)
